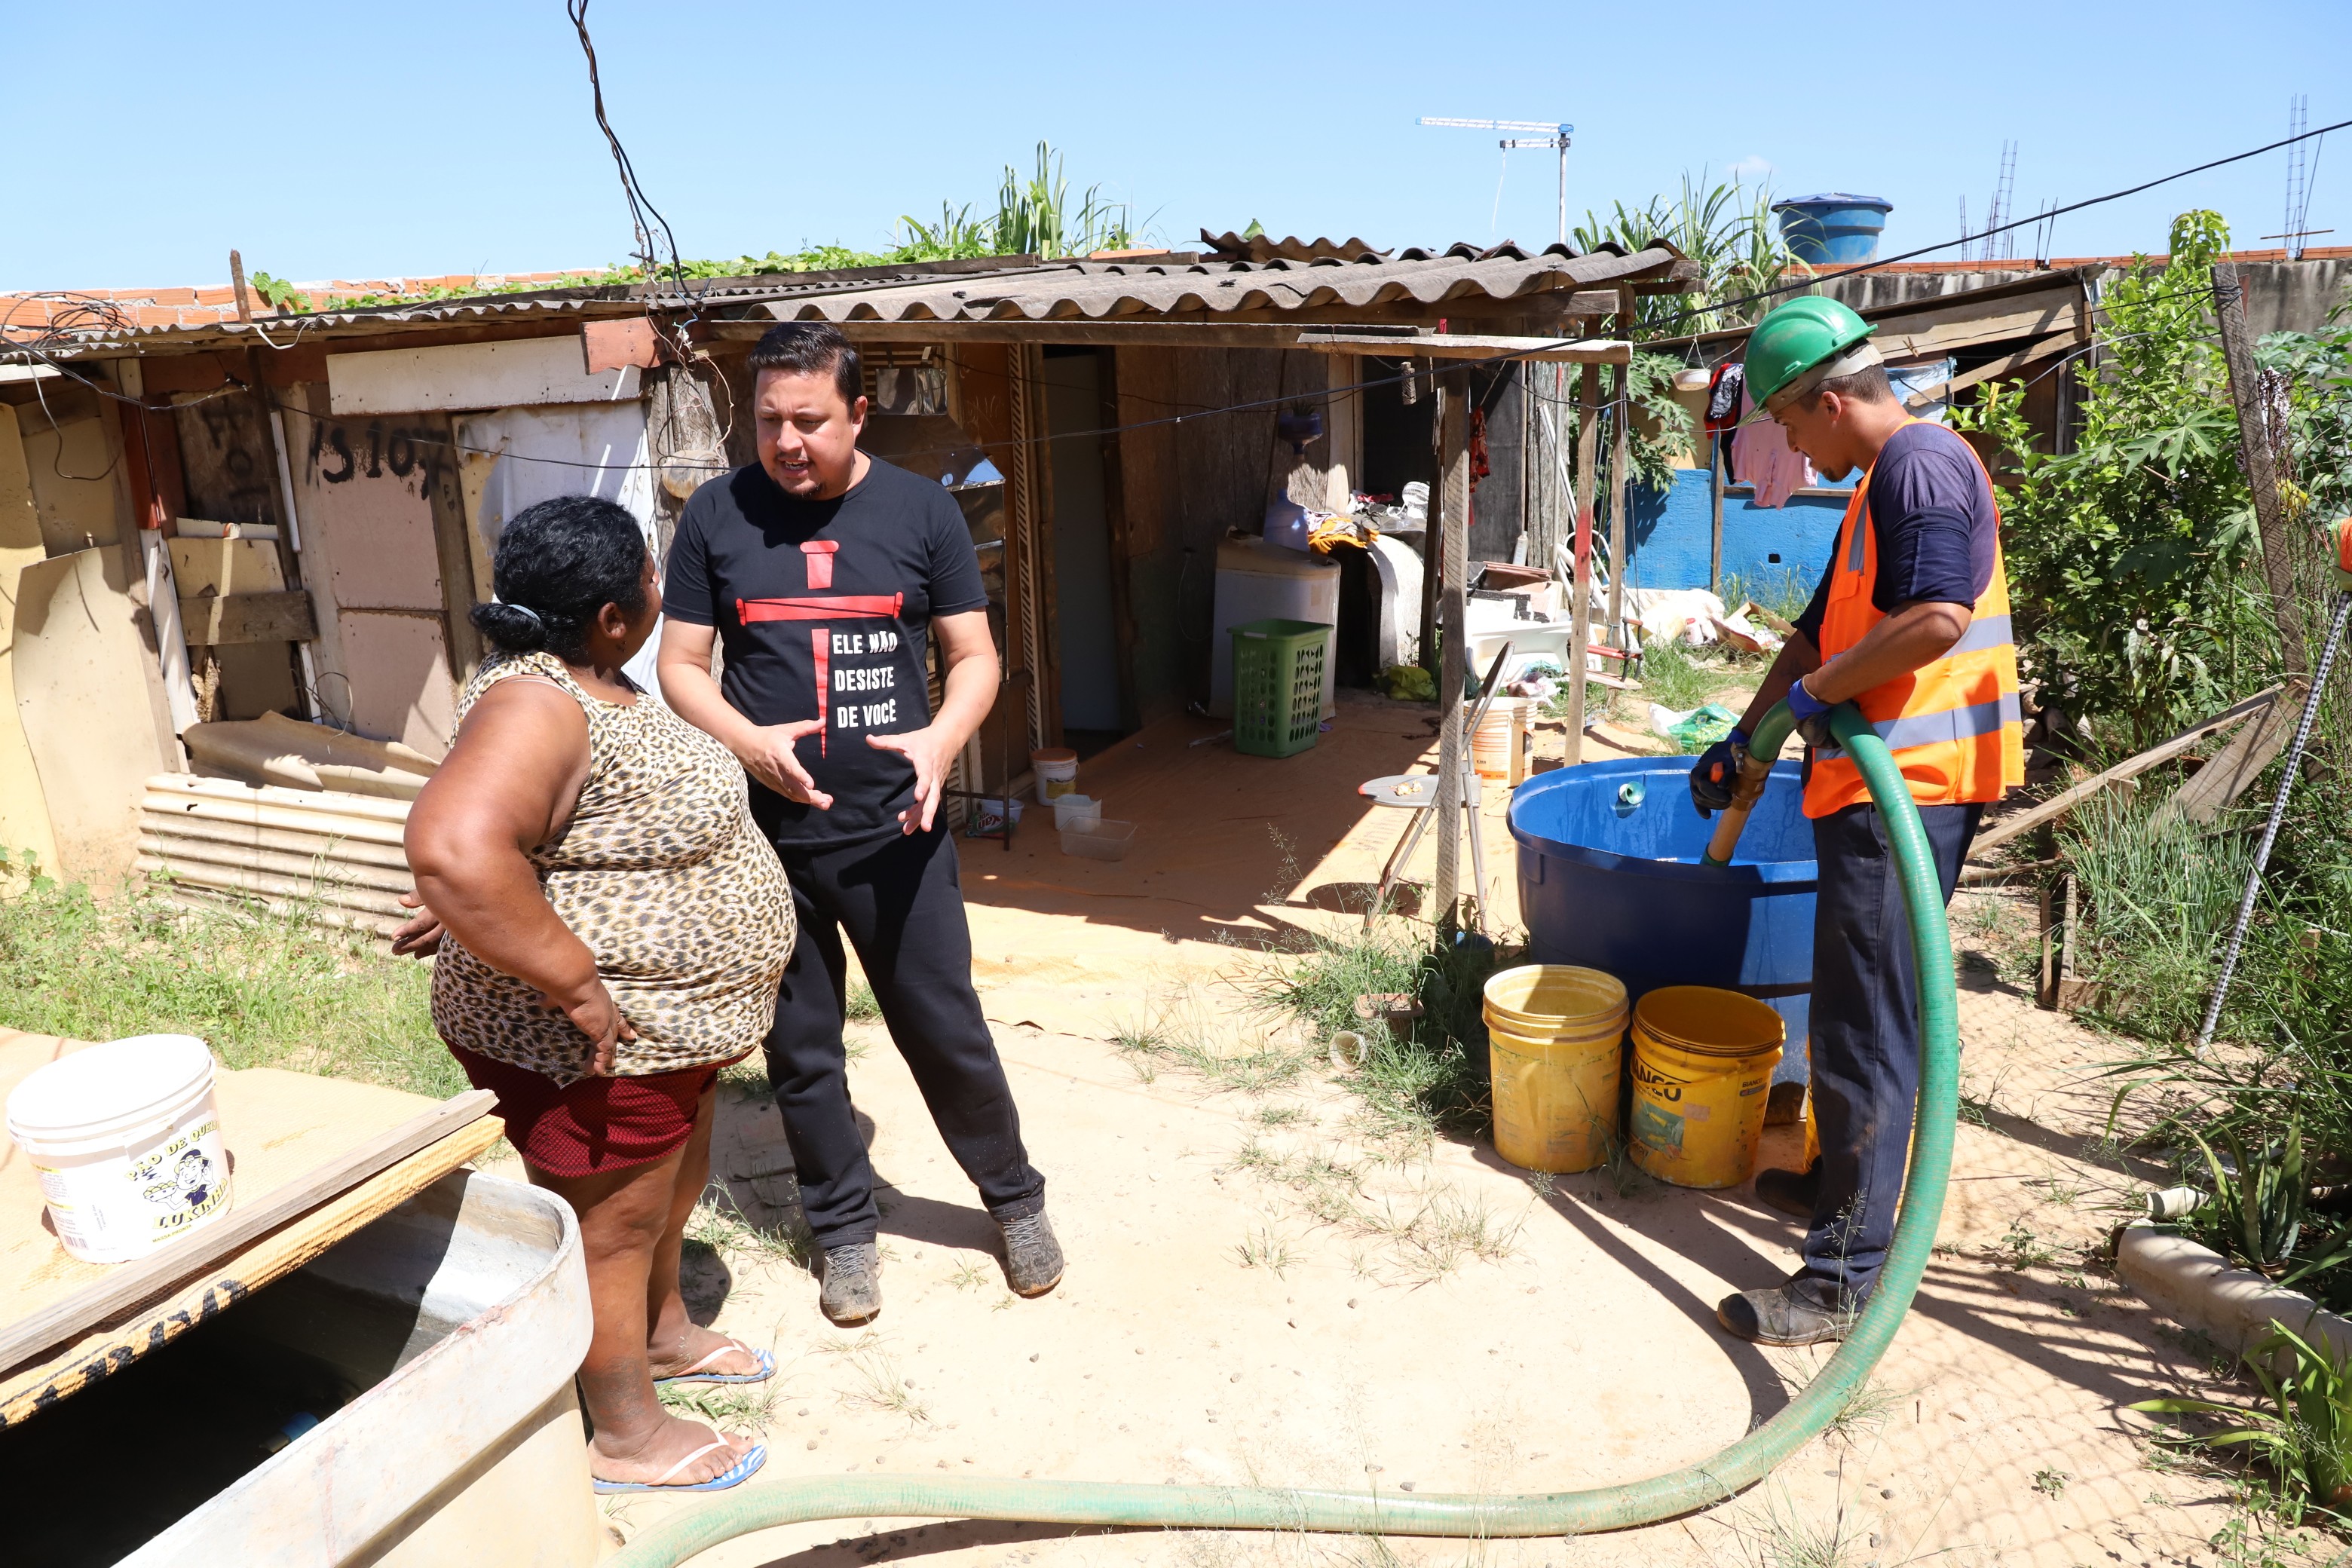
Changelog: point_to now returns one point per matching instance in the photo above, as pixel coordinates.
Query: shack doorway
(1085, 636)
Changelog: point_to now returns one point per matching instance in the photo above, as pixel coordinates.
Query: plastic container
(1616, 884)
(1070, 810)
(1057, 772)
(1279, 668)
(1554, 1039)
(1498, 747)
(127, 1142)
(1257, 580)
(1703, 1061)
(1098, 839)
(1834, 227)
(988, 815)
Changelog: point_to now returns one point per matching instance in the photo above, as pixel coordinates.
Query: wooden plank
(2008, 364)
(91, 697)
(1580, 566)
(1477, 345)
(34, 1386)
(214, 621)
(2059, 310)
(508, 374)
(2256, 457)
(24, 812)
(2214, 787)
(127, 1285)
(2008, 827)
(1447, 548)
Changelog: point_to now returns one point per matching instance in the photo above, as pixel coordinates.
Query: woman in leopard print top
(610, 929)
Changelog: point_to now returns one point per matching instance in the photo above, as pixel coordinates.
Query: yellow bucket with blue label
(1703, 1061)
(1555, 1039)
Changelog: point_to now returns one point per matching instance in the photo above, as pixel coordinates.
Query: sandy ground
(1259, 1292)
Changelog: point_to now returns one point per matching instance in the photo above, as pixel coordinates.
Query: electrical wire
(1466, 362)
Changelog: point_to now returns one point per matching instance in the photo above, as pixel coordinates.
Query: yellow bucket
(1542, 1000)
(1555, 1036)
(1703, 1061)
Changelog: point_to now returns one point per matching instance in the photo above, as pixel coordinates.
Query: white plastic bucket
(1057, 772)
(127, 1142)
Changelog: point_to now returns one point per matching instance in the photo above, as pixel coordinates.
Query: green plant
(2257, 1213)
(2051, 1483)
(2305, 1436)
(278, 294)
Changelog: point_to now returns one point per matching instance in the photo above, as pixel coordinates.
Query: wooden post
(1450, 502)
(1580, 637)
(2254, 456)
(1620, 454)
(1432, 554)
(1715, 548)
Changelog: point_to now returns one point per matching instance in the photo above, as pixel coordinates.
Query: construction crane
(1555, 137)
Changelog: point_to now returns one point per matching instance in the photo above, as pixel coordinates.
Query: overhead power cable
(1404, 348)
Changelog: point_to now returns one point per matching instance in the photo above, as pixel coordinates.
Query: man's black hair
(1868, 385)
(812, 348)
(558, 564)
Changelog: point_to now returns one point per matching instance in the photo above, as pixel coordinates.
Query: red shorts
(594, 1125)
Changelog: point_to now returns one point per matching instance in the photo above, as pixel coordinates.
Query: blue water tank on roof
(1835, 229)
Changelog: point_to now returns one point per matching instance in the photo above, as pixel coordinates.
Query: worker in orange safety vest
(1911, 625)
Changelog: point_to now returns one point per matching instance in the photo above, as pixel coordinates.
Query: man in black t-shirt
(822, 571)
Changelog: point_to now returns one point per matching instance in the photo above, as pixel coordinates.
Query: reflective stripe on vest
(1955, 724)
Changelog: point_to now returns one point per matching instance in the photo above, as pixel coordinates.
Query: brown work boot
(1791, 1192)
(1795, 1313)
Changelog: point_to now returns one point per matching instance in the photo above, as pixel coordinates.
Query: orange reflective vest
(1954, 724)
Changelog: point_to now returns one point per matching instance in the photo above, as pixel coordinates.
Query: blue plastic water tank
(1834, 228)
(1621, 888)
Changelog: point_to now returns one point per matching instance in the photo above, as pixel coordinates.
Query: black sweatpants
(1866, 1036)
(901, 904)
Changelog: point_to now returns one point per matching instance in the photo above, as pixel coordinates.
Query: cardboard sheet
(279, 1127)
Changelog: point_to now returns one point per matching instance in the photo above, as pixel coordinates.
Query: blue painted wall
(1769, 549)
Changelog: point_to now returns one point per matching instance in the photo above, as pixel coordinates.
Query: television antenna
(1556, 136)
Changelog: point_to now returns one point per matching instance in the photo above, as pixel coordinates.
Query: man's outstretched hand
(929, 750)
(768, 756)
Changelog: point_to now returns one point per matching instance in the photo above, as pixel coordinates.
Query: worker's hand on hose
(769, 757)
(595, 1015)
(1715, 777)
(930, 751)
(1812, 717)
(420, 935)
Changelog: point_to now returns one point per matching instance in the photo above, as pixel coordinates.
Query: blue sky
(433, 137)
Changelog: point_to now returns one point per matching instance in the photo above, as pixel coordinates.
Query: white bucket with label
(1057, 772)
(127, 1142)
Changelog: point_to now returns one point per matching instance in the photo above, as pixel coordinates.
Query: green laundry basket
(1279, 686)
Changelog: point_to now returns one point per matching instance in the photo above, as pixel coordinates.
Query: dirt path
(1259, 1293)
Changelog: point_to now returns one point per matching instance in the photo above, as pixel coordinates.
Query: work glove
(1715, 776)
(1812, 717)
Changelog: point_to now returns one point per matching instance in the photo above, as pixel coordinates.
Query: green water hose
(766, 1505)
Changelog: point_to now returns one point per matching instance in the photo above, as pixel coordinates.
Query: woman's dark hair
(558, 563)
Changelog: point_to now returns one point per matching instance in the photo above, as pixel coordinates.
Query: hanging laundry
(1761, 456)
(1723, 391)
(1479, 468)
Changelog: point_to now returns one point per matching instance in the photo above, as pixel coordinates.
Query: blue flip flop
(691, 1374)
(741, 1471)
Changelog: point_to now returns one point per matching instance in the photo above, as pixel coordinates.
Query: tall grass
(261, 990)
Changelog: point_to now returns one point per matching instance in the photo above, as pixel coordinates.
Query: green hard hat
(1794, 338)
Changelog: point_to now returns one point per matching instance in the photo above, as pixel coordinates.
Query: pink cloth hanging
(1761, 456)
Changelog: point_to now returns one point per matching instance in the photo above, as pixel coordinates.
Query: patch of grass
(878, 1382)
(720, 1223)
(1280, 1115)
(2051, 1483)
(726, 1406)
(969, 1275)
(261, 990)
(2020, 1248)
(860, 1005)
(1263, 1249)
(1239, 1050)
